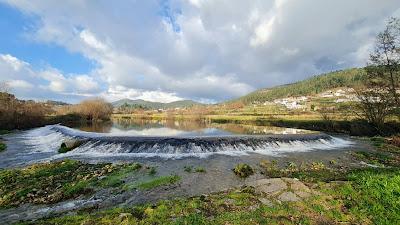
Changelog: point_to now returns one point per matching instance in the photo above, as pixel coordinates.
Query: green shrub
(2, 146)
(243, 170)
(188, 169)
(152, 171)
(200, 170)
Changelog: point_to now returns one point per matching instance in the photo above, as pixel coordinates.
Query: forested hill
(139, 103)
(313, 85)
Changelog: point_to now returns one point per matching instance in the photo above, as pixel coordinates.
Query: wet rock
(288, 197)
(72, 143)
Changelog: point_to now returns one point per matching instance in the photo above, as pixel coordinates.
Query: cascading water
(46, 141)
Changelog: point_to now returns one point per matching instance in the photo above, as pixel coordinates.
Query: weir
(166, 146)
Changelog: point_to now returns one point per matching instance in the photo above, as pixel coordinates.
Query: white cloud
(19, 84)
(13, 62)
(209, 50)
(121, 92)
(28, 83)
(262, 33)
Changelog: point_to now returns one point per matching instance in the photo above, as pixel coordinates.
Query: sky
(167, 50)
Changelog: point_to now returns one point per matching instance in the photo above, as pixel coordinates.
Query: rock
(302, 194)
(73, 143)
(269, 186)
(296, 185)
(229, 201)
(266, 202)
(124, 215)
(253, 208)
(288, 197)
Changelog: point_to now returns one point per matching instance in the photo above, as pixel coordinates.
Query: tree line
(21, 114)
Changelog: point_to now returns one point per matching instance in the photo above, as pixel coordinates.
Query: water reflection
(146, 127)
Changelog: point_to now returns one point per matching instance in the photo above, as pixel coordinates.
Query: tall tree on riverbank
(379, 98)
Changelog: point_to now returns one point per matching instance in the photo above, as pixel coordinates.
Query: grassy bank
(49, 183)
(369, 197)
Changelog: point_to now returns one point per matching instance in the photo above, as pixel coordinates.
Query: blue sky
(167, 50)
(16, 40)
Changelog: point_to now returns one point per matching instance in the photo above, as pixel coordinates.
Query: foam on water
(98, 144)
(49, 138)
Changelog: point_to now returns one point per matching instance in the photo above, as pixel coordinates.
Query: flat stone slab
(281, 189)
(288, 197)
(296, 185)
(269, 186)
(266, 202)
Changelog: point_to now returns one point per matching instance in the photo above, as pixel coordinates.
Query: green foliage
(314, 85)
(159, 181)
(125, 104)
(243, 170)
(373, 193)
(200, 170)
(2, 146)
(188, 169)
(152, 171)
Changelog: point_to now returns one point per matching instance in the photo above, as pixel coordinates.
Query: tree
(378, 96)
(4, 87)
(95, 109)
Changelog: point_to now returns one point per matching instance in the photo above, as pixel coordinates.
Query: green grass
(152, 171)
(200, 170)
(2, 146)
(240, 206)
(159, 181)
(48, 183)
(243, 170)
(116, 178)
(373, 193)
(190, 169)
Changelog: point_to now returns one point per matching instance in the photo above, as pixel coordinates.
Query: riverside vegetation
(342, 195)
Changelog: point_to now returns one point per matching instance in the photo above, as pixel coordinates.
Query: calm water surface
(138, 127)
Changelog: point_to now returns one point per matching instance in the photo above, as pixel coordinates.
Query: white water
(49, 138)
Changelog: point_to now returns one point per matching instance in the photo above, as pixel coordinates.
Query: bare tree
(378, 96)
(4, 87)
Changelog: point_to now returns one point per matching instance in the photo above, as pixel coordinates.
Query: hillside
(313, 85)
(139, 103)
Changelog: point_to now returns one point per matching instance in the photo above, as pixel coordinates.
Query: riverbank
(334, 188)
(335, 124)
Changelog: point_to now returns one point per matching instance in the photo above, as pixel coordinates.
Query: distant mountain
(313, 85)
(56, 103)
(139, 103)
